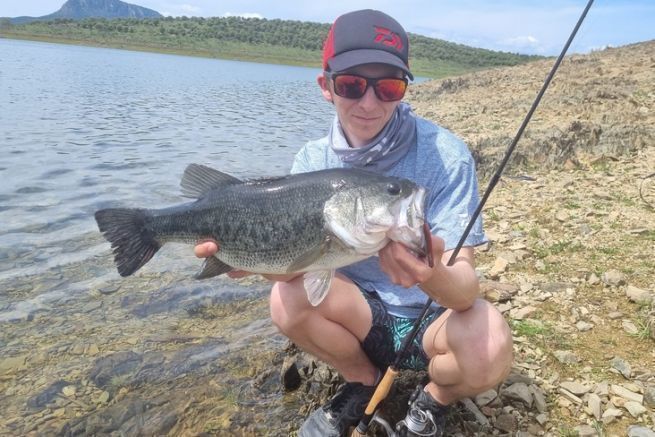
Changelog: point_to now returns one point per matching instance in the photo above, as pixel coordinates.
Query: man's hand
(205, 249)
(406, 269)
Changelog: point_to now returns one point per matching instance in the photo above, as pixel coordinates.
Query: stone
(575, 387)
(109, 289)
(103, 398)
(613, 315)
(69, 390)
(640, 431)
(583, 326)
(649, 396)
(630, 327)
(484, 398)
(519, 392)
(522, 313)
(595, 405)
(623, 367)
(635, 409)
(613, 278)
(539, 399)
(92, 350)
(626, 394)
(561, 215)
(585, 431)
(602, 388)
(500, 266)
(638, 295)
(11, 364)
(593, 279)
(507, 423)
(617, 401)
(570, 396)
(566, 357)
(611, 414)
(289, 374)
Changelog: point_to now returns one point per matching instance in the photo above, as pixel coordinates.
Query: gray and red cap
(366, 37)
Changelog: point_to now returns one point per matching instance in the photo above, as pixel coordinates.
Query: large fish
(311, 222)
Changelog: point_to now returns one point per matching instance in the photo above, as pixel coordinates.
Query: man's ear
(325, 88)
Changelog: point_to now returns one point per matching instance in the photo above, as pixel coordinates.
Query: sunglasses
(351, 86)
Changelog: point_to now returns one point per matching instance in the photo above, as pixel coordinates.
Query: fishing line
(382, 390)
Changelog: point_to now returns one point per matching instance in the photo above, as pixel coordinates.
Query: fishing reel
(417, 423)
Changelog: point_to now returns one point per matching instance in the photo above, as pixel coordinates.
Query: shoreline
(198, 53)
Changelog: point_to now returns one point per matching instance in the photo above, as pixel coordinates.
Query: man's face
(362, 119)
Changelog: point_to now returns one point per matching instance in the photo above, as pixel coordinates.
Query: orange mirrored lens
(350, 87)
(387, 89)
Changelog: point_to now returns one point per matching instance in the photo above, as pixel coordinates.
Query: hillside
(80, 9)
(600, 104)
(261, 40)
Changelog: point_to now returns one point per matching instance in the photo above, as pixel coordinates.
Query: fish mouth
(408, 228)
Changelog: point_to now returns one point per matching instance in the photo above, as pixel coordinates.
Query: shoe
(425, 416)
(344, 410)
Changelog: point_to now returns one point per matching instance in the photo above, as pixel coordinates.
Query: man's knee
(492, 348)
(287, 306)
(485, 349)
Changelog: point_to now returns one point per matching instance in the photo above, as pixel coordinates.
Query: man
(464, 342)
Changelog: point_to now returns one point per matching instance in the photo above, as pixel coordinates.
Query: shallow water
(85, 128)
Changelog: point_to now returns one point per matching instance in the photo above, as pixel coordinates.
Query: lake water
(84, 128)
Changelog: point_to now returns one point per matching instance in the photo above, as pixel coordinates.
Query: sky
(519, 26)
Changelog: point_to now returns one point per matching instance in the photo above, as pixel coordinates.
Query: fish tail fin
(132, 243)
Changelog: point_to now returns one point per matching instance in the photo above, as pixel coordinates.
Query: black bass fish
(310, 222)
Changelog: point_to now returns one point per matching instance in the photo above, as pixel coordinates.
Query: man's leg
(332, 331)
(470, 352)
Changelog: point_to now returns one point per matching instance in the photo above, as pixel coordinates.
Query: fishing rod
(382, 390)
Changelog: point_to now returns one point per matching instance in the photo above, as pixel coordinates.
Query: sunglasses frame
(370, 82)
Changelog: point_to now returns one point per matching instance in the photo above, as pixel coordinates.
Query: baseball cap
(366, 37)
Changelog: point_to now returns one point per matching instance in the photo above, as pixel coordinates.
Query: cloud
(180, 9)
(243, 14)
(523, 42)
(189, 8)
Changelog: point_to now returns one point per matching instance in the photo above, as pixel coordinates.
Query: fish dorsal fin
(317, 284)
(198, 180)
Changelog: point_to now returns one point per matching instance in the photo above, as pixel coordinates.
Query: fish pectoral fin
(212, 267)
(317, 284)
(308, 257)
(198, 180)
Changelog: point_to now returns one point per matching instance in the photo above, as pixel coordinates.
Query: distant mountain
(79, 9)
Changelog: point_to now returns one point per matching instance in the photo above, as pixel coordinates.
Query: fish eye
(393, 188)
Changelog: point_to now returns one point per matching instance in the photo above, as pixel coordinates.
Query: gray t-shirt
(440, 162)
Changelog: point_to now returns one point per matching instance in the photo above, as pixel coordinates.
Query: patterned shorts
(388, 331)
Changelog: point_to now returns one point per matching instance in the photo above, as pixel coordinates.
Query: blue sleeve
(452, 206)
(301, 163)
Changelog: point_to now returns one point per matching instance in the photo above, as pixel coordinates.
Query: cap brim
(354, 58)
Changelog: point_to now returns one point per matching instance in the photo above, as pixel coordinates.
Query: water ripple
(84, 129)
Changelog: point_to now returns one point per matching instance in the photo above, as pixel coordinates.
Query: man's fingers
(205, 249)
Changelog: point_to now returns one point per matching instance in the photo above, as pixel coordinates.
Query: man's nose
(369, 99)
